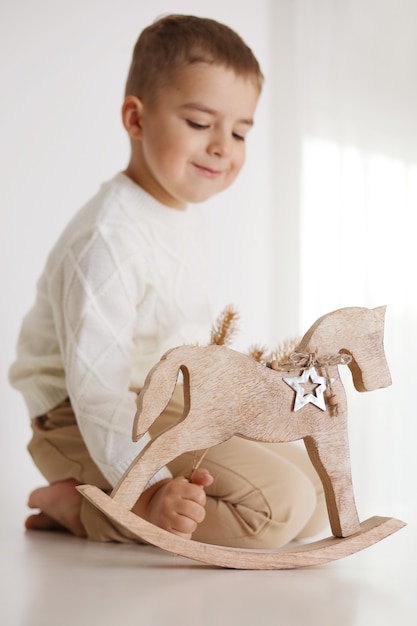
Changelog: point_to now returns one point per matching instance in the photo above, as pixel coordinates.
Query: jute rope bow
(306, 360)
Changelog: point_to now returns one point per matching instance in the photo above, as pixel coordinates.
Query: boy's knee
(262, 520)
(282, 517)
(288, 520)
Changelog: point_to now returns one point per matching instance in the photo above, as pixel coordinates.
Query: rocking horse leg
(332, 463)
(159, 452)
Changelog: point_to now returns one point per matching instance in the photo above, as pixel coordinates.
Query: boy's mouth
(207, 171)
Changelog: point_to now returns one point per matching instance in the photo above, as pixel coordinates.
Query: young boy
(125, 282)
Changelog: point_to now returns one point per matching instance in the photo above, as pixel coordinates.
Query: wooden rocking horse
(228, 393)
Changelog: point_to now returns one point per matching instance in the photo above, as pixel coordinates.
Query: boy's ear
(132, 110)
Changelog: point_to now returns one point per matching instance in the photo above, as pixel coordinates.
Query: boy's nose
(219, 146)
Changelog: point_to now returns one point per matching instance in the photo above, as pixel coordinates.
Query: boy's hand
(176, 504)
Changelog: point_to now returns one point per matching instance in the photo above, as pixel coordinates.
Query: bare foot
(40, 521)
(60, 507)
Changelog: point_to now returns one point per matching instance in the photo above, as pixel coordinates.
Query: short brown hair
(175, 41)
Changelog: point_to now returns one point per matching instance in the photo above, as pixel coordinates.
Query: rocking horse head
(358, 332)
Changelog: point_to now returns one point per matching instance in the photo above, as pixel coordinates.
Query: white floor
(53, 579)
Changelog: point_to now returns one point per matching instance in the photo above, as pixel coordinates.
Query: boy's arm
(97, 311)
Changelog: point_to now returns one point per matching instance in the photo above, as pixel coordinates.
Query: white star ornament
(302, 398)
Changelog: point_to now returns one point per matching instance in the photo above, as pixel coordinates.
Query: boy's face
(190, 142)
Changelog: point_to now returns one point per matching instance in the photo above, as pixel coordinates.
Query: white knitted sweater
(125, 282)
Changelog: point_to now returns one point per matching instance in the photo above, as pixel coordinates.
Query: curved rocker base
(324, 551)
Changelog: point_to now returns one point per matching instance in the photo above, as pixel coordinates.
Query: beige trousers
(263, 494)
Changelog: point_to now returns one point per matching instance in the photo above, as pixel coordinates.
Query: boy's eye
(199, 126)
(196, 125)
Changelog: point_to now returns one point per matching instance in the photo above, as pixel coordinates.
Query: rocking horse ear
(381, 311)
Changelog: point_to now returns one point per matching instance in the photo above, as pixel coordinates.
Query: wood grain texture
(303, 555)
(228, 393)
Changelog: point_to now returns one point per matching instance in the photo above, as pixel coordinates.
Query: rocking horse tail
(156, 393)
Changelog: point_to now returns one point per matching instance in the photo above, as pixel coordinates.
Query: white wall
(357, 117)
(337, 72)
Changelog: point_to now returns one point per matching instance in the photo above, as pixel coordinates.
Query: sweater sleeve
(96, 294)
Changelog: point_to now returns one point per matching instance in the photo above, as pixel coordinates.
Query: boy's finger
(201, 477)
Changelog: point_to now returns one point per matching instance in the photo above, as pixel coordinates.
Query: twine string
(305, 360)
